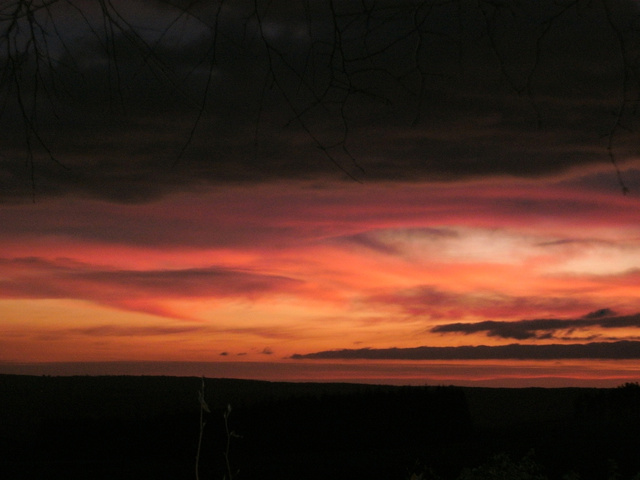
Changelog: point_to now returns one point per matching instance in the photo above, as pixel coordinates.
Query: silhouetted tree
(328, 66)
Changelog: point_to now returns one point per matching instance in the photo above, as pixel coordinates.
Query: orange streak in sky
(240, 274)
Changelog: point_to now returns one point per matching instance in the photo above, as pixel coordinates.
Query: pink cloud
(294, 265)
(137, 290)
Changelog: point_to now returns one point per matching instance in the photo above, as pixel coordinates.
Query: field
(148, 428)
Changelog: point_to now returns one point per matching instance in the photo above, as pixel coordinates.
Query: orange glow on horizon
(239, 275)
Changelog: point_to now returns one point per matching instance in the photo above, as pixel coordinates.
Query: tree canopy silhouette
(97, 92)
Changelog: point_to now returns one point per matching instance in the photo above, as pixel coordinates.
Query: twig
(203, 408)
(230, 434)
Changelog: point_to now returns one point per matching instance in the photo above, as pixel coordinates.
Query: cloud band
(597, 350)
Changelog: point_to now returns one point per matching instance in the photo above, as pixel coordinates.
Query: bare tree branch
(350, 56)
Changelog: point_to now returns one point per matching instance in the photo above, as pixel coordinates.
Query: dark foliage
(147, 428)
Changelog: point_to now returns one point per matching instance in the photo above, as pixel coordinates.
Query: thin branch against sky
(323, 75)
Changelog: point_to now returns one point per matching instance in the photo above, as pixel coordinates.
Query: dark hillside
(592, 432)
(147, 428)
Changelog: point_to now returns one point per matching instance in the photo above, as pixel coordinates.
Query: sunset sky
(395, 195)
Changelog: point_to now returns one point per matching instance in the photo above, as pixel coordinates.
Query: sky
(391, 192)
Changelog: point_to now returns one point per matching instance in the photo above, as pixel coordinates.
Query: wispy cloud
(133, 331)
(436, 302)
(142, 290)
(395, 241)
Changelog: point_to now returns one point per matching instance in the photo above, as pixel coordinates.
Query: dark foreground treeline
(148, 428)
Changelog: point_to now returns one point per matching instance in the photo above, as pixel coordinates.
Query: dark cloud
(603, 350)
(543, 328)
(480, 88)
(224, 219)
(602, 313)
